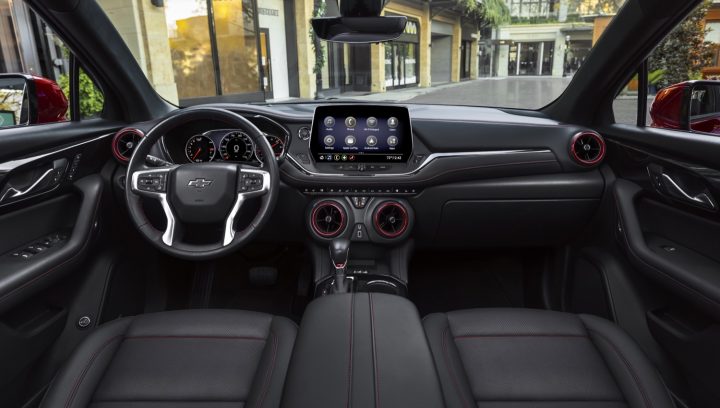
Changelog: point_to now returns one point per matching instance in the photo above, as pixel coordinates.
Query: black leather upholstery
(519, 358)
(362, 350)
(188, 359)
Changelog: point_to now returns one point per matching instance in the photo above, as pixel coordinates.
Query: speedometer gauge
(236, 146)
(277, 144)
(200, 149)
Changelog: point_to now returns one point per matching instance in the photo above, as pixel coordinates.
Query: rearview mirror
(29, 100)
(691, 106)
(359, 22)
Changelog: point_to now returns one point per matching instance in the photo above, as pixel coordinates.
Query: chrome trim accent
(13, 164)
(381, 281)
(14, 193)
(169, 234)
(427, 161)
(674, 190)
(229, 233)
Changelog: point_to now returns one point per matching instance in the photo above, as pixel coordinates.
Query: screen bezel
(399, 111)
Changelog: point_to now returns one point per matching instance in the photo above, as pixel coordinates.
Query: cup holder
(380, 285)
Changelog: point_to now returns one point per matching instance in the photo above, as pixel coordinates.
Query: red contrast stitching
(266, 383)
(634, 375)
(446, 354)
(374, 353)
(350, 346)
(89, 364)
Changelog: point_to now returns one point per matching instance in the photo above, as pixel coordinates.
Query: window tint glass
(506, 53)
(689, 53)
(35, 72)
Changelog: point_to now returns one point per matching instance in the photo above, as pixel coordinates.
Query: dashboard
(443, 175)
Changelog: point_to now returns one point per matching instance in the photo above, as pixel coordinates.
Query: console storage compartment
(362, 349)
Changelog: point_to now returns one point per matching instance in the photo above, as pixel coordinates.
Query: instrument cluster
(198, 145)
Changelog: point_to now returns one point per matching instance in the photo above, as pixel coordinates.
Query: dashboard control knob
(304, 133)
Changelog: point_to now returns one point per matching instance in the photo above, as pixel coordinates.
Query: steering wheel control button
(152, 182)
(392, 122)
(350, 140)
(251, 182)
(392, 141)
(329, 121)
(329, 140)
(350, 122)
(371, 141)
(371, 122)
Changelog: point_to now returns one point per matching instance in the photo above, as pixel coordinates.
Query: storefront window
(401, 58)
(237, 46)
(190, 48)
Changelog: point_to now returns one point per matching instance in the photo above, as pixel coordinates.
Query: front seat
(522, 358)
(188, 359)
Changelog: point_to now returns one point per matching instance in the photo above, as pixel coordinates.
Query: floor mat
(233, 289)
(446, 281)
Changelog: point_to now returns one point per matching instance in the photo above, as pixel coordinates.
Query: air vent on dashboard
(587, 148)
(328, 219)
(124, 143)
(390, 219)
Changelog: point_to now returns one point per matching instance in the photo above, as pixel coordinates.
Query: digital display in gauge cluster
(357, 133)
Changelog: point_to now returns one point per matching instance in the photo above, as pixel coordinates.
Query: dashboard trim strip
(13, 164)
(422, 165)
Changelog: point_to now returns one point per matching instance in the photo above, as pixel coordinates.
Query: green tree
(91, 98)
(684, 52)
(488, 13)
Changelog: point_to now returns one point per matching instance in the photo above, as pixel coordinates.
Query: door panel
(667, 222)
(50, 213)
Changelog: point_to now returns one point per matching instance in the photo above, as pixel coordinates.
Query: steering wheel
(201, 193)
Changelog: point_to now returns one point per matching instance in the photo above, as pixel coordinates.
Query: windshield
(505, 53)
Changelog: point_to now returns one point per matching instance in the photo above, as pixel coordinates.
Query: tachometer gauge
(236, 146)
(277, 144)
(200, 149)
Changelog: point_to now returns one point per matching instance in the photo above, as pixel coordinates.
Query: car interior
(366, 254)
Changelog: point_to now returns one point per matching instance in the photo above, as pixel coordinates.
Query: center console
(352, 155)
(348, 353)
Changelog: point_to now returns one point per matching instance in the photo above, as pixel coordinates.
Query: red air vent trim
(334, 226)
(120, 149)
(587, 148)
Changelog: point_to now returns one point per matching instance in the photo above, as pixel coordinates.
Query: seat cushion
(189, 358)
(521, 358)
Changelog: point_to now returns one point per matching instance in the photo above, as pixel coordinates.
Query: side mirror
(691, 106)
(29, 100)
(359, 22)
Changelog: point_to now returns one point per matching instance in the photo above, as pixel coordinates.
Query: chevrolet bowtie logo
(199, 183)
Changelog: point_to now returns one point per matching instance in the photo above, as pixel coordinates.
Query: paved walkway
(510, 92)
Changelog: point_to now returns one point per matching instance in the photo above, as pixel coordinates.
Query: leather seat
(518, 358)
(188, 359)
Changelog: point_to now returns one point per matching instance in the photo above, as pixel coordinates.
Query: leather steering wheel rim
(268, 173)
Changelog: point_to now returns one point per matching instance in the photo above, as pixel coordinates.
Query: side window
(677, 87)
(38, 71)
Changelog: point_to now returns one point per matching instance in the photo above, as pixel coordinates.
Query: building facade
(543, 38)
(196, 51)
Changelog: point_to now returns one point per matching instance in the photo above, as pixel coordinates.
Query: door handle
(34, 181)
(674, 190)
(13, 192)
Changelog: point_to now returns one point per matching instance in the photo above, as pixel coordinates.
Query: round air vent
(328, 219)
(124, 143)
(587, 148)
(390, 219)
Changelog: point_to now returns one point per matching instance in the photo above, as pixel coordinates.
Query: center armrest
(363, 350)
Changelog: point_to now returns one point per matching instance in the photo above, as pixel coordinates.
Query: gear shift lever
(339, 251)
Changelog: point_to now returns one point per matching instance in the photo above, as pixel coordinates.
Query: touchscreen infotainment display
(359, 133)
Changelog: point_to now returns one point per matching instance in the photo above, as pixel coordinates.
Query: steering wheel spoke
(154, 184)
(252, 182)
